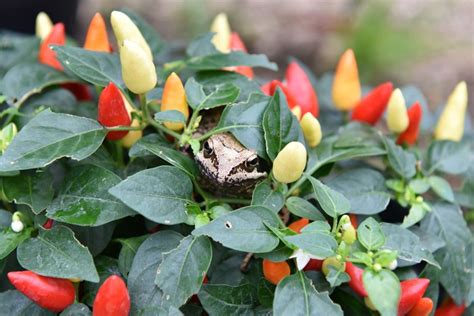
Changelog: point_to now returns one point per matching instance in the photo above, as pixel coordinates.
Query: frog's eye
(251, 164)
(207, 150)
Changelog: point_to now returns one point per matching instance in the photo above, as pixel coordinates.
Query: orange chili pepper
(422, 308)
(298, 225)
(96, 38)
(274, 272)
(236, 44)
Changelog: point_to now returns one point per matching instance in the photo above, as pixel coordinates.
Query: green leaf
(442, 188)
(402, 162)
(171, 156)
(336, 277)
(50, 136)
(235, 58)
(370, 234)
(449, 157)
(9, 240)
(446, 221)
(222, 299)
(26, 79)
(128, 251)
(15, 303)
(35, 190)
(314, 241)
(96, 239)
(141, 279)
(160, 194)
(194, 93)
(170, 116)
(364, 188)
(222, 95)
(302, 208)
(201, 46)
(280, 126)
(265, 292)
(57, 253)
(76, 309)
(84, 198)
(419, 186)
(17, 48)
(265, 196)
(384, 290)
(332, 202)
(415, 214)
(244, 121)
(182, 271)
(296, 295)
(465, 196)
(407, 244)
(243, 229)
(96, 68)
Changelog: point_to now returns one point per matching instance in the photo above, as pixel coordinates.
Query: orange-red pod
(298, 225)
(410, 135)
(112, 298)
(236, 44)
(274, 272)
(97, 38)
(50, 293)
(112, 111)
(301, 88)
(290, 98)
(80, 91)
(46, 55)
(449, 308)
(371, 108)
(356, 283)
(422, 308)
(411, 292)
(353, 218)
(314, 265)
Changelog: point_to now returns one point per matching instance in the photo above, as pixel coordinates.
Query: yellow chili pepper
(451, 122)
(346, 90)
(138, 71)
(125, 29)
(397, 116)
(44, 25)
(297, 112)
(290, 162)
(311, 129)
(174, 98)
(221, 27)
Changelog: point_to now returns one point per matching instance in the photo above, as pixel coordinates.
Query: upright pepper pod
(50, 293)
(397, 117)
(236, 44)
(97, 38)
(220, 26)
(138, 71)
(112, 111)
(410, 135)
(270, 88)
(125, 29)
(174, 98)
(356, 283)
(301, 88)
(311, 130)
(370, 109)
(44, 25)
(411, 292)
(451, 122)
(46, 55)
(422, 308)
(274, 272)
(290, 162)
(346, 91)
(112, 298)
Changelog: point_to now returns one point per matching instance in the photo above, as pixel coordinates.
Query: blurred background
(427, 43)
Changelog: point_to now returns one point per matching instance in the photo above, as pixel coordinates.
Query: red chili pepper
(410, 135)
(314, 265)
(356, 283)
(96, 38)
(236, 44)
(412, 292)
(112, 298)
(370, 109)
(46, 55)
(290, 99)
(266, 88)
(301, 88)
(80, 91)
(353, 218)
(449, 308)
(422, 308)
(298, 225)
(112, 111)
(48, 224)
(50, 293)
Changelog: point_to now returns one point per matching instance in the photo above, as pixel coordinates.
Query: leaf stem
(149, 119)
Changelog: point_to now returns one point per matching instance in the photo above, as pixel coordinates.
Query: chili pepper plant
(354, 199)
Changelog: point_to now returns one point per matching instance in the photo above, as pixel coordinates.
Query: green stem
(149, 119)
(235, 201)
(119, 151)
(174, 66)
(303, 178)
(123, 128)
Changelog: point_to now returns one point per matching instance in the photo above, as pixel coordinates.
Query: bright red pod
(410, 135)
(80, 91)
(112, 298)
(371, 108)
(301, 88)
(50, 293)
(356, 283)
(314, 265)
(422, 308)
(48, 224)
(46, 55)
(449, 308)
(353, 218)
(236, 44)
(412, 291)
(290, 98)
(112, 111)
(266, 88)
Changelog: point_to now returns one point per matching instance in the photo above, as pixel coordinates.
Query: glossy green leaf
(15, 303)
(315, 241)
(9, 240)
(332, 202)
(170, 116)
(128, 251)
(449, 157)
(76, 309)
(235, 58)
(265, 196)
(402, 162)
(442, 188)
(386, 300)
(370, 234)
(223, 94)
(302, 208)
(222, 299)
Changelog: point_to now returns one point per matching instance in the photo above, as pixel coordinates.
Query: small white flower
(17, 226)
(302, 258)
(393, 265)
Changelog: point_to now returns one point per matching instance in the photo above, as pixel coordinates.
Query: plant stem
(235, 201)
(149, 119)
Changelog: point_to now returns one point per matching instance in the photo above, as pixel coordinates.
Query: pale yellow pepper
(397, 115)
(290, 162)
(44, 25)
(451, 122)
(221, 27)
(138, 71)
(311, 130)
